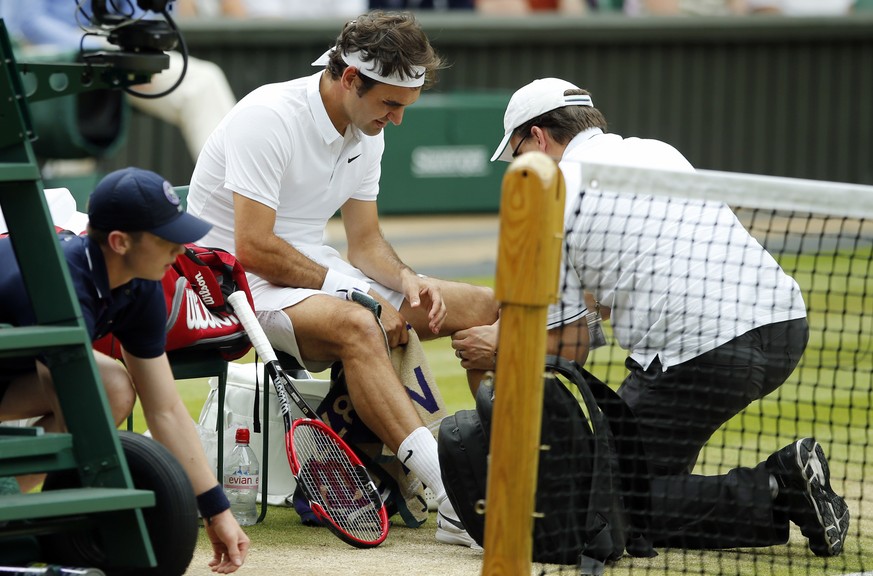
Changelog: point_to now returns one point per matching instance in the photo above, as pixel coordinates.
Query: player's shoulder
(277, 96)
(270, 111)
(274, 88)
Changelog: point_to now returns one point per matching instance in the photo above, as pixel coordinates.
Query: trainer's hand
(230, 545)
(476, 347)
(424, 291)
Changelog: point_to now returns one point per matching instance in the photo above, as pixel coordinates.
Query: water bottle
(241, 480)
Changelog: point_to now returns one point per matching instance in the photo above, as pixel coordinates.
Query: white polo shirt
(682, 277)
(278, 147)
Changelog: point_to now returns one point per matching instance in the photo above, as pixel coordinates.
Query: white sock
(418, 452)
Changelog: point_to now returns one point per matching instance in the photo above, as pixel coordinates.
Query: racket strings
(332, 481)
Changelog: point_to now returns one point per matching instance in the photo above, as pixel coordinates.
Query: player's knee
(120, 392)
(121, 405)
(360, 333)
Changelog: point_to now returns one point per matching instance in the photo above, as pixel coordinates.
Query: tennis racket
(332, 477)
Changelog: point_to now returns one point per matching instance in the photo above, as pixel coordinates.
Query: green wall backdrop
(767, 95)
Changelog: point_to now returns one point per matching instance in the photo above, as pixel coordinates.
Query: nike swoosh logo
(456, 523)
(408, 456)
(353, 158)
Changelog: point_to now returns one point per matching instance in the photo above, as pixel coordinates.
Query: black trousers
(733, 510)
(679, 409)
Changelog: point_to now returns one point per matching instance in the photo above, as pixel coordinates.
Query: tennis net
(705, 278)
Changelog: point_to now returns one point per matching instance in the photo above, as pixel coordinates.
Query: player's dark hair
(564, 123)
(394, 39)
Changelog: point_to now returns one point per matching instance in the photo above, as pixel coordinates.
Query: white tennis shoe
(450, 530)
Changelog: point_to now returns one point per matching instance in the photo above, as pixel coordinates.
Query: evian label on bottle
(240, 481)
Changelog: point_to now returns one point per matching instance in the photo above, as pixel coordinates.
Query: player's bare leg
(467, 306)
(33, 396)
(120, 392)
(329, 329)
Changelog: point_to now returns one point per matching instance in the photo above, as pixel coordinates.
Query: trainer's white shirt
(279, 147)
(681, 277)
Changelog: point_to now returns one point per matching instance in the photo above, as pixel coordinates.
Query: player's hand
(230, 544)
(393, 323)
(476, 347)
(424, 291)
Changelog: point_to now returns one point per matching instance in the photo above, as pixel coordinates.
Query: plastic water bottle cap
(242, 435)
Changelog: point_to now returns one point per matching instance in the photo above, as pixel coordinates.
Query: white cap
(532, 100)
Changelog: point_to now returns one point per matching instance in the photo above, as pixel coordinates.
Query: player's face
(380, 105)
(151, 256)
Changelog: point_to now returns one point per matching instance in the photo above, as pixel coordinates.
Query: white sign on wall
(449, 161)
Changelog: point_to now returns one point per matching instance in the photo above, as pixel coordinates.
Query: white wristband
(339, 284)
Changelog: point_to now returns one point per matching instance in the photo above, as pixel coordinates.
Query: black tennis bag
(592, 494)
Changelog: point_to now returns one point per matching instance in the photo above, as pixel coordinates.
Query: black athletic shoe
(801, 470)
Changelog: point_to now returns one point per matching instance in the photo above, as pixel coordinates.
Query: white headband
(369, 69)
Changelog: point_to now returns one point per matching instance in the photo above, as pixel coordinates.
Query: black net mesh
(741, 337)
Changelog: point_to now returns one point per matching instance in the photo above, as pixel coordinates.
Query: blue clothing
(135, 313)
(56, 22)
(42, 22)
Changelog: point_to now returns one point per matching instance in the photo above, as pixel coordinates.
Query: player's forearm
(175, 430)
(378, 260)
(278, 262)
(167, 418)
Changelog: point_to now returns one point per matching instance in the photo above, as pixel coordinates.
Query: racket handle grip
(366, 301)
(250, 324)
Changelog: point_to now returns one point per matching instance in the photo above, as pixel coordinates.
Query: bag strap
(612, 413)
(216, 272)
(632, 460)
(205, 280)
(598, 545)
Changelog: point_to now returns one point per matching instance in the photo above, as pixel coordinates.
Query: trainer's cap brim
(528, 102)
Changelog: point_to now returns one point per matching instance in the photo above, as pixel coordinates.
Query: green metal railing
(91, 448)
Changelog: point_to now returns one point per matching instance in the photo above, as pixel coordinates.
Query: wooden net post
(528, 257)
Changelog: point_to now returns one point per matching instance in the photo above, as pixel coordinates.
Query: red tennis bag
(196, 288)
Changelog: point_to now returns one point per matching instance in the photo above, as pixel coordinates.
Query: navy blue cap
(137, 200)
